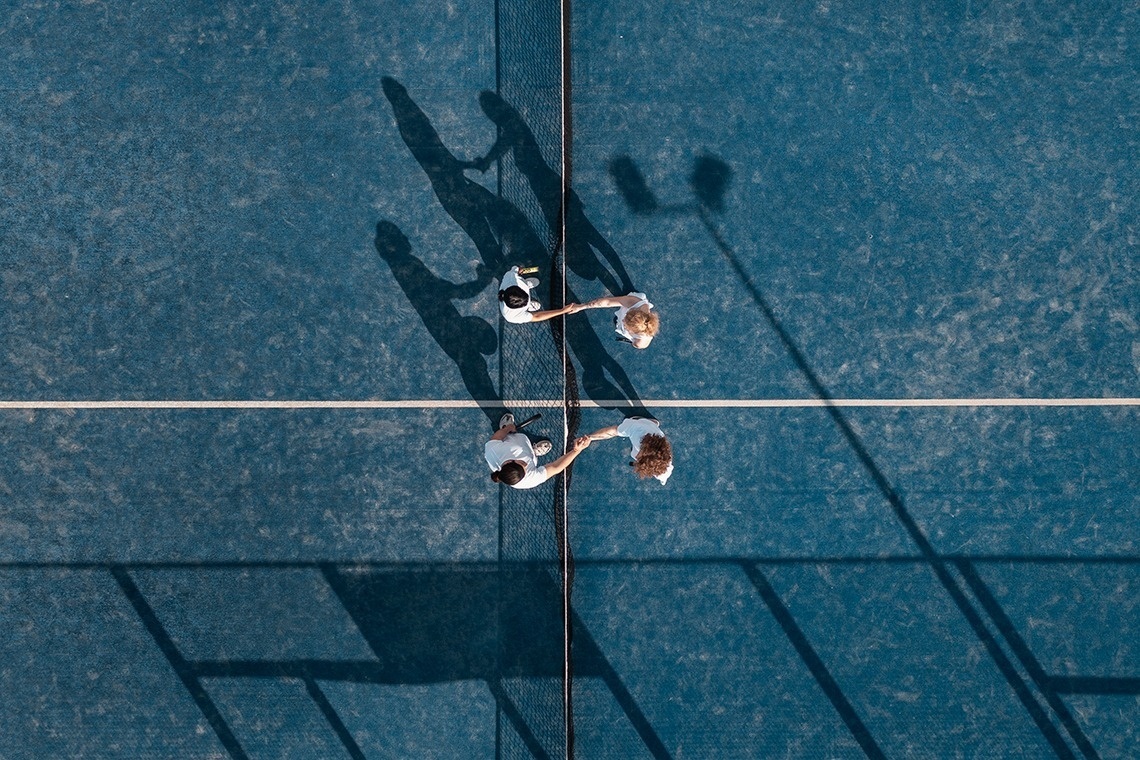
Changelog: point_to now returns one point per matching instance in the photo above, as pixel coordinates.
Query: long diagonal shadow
(582, 243)
(813, 661)
(466, 340)
(502, 233)
(937, 563)
(709, 182)
(493, 224)
(583, 240)
(430, 622)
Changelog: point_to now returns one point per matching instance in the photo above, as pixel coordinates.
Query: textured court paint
(935, 693)
(215, 485)
(770, 484)
(937, 197)
(608, 732)
(937, 200)
(274, 718)
(81, 676)
(707, 663)
(189, 213)
(441, 721)
(1112, 723)
(1079, 620)
(1014, 481)
(252, 614)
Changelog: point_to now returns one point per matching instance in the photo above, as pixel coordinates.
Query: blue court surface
(895, 252)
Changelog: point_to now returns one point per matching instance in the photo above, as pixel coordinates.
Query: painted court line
(786, 403)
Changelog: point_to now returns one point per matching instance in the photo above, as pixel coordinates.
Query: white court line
(776, 403)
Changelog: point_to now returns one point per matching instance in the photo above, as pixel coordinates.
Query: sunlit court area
(255, 337)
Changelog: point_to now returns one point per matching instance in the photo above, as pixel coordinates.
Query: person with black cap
(519, 306)
(513, 459)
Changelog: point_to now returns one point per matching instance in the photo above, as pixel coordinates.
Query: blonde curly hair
(653, 458)
(642, 322)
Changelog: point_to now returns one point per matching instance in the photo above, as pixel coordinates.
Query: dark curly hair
(653, 458)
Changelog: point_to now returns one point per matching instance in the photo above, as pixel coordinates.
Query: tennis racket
(527, 421)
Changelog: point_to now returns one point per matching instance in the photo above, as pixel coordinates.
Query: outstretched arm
(604, 433)
(500, 147)
(609, 302)
(562, 462)
(542, 316)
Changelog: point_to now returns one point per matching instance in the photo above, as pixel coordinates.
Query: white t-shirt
(516, 446)
(619, 318)
(517, 316)
(636, 428)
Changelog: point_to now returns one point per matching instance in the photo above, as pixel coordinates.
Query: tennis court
(251, 353)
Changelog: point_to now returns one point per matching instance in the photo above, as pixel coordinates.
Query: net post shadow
(709, 182)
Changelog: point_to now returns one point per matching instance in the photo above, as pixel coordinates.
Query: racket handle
(528, 270)
(527, 421)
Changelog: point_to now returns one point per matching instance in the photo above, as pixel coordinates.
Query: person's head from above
(514, 297)
(653, 458)
(642, 324)
(510, 473)
(390, 240)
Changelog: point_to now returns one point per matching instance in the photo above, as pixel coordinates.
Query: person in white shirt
(514, 460)
(519, 306)
(651, 454)
(634, 321)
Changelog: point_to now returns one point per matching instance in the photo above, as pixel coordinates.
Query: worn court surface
(933, 202)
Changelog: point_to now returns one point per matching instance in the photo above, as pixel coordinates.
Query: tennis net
(531, 110)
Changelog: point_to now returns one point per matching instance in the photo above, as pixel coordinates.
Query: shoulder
(632, 426)
(516, 316)
(632, 301)
(535, 476)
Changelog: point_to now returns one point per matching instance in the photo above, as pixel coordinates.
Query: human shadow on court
(466, 340)
(499, 230)
(583, 240)
(489, 220)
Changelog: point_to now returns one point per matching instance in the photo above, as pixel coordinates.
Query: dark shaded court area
(251, 350)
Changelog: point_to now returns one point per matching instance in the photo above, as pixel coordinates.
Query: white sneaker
(506, 419)
(542, 448)
(531, 281)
